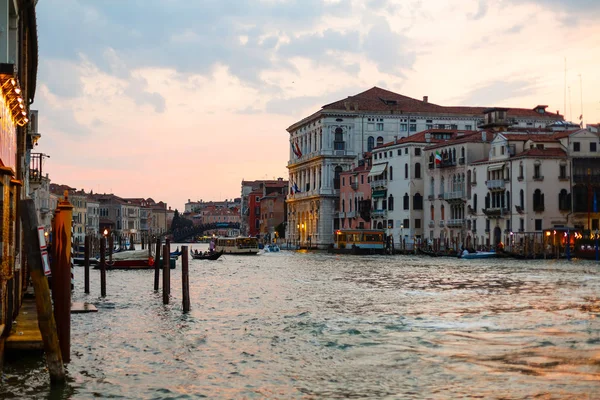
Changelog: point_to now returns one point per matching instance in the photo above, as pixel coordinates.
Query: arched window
(418, 171)
(475, 202)
(432, 210)
(487, 201)
(417, 201)
(508, 200)
(391, 173)
(443, 213)
(432, 187)
(343, 205)
(370, 143)
(468, 184)
(564, 203)
(522, 199)
(379, 141)
(454, 155)
(406, 200)
(405, 171)
(391, 203)
(520, 170)
(462, 153)
(336, 177)
(442, 186)
(538, 200)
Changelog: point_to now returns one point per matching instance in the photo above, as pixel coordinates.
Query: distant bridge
(180, 235)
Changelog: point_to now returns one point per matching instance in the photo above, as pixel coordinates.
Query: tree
(179, 222)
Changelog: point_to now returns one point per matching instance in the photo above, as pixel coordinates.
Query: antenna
(570, 106)
(565, 97)
(581, 102)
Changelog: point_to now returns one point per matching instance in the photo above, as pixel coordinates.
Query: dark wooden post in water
(86, 264)
(111, 245)
(185, 280)
(103, 267)
(46, 321)
(166, 274)
(157, 264)
(131, 244)
(167, 256)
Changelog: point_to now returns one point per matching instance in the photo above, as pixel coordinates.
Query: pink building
(354, 207)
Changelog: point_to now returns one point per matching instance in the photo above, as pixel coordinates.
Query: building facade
(330, 141)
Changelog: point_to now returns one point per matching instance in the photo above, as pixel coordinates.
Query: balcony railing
(379, 184)
(351, 214)
(563, 177)
(495, 211)
(461, 161)
(431, 197)
(447, 163)
(378, 213)
(431, 224)
(495, 184)
(538, 177)
(455, 223)
(341, 215)
(313, 154)
(354, 185)
(457, 195)
(442, 223)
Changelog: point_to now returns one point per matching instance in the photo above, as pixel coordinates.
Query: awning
(378, 193)
(377, 169)
(495, 167)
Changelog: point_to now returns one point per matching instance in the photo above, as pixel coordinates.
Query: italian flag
(438, 157)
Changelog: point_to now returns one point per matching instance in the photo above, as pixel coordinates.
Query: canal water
(314, 325)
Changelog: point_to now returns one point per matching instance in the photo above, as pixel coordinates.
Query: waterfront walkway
(25, 333)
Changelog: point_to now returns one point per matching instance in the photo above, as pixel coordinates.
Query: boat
(359, 241)
(209, 256)
(479, 254)
(176, 253)
(271, 248)
(241, 245)
(132, 259)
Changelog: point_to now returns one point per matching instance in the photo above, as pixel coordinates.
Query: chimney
(426, 99)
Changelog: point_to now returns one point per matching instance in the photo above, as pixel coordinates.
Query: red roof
(377, 99)
(549, 152)
(536, 137)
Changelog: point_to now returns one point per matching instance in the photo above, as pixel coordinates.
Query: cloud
(481, 10)
(137, 91)
(388, 49)
(494, 93)
(515, 29)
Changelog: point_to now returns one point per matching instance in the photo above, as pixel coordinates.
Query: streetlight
(402, 235)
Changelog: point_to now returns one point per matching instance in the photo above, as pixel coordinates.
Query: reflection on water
(313, 325)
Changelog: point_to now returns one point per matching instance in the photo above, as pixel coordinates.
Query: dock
(25, 333)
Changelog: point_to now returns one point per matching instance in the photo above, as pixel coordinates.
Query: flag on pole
(438, 157)
(296, 190)
(298, 151)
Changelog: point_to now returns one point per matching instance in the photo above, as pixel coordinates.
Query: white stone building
(92, 223)
(334, 138)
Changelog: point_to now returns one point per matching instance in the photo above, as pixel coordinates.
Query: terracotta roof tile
(549, 152)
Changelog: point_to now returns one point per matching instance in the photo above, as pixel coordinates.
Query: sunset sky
(180, 100)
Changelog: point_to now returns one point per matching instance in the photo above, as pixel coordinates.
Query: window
(429, 126)
(362, 179)
(564, 201)
(538, 200)
(475, 202)
(405, 171)
(536, 171)
(417, 201)
(391, 173)
(562, 172)
(468, 128)
(379, 141)
(522, 224)
(520, 170)
(336, 177)
(522, 199)
(399, 152)
(576, 146)
(406, 224)
(370, 143)
(406, 200)
(417, 223)
(487, 225)
(391, 154)
(538, 224)
(413, 127)
(379, 126)
(390, 224)
(403, 127)
(593, 147)
(339, 143)
(432, 210)
(406, 150)
(391, 203)
(474, 226)
(418, 171)
(417, 151)
(344, 181)
(443, 211)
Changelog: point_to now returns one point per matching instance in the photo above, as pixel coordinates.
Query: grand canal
(314, 325)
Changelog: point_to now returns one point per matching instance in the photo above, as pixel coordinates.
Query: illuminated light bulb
(24, 113)
(17, 90)
(13, 82)
(26, 120)
(21, 105)
(19, 99)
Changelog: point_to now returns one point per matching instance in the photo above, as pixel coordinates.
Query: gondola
(211, 256)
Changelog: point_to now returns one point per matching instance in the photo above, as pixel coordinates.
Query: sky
(180, 99)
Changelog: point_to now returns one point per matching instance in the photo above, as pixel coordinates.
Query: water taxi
(240, 245)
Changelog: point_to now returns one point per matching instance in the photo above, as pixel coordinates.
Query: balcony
(431, 224)
(325, 153)
(431, 197)
(453, 196)
(520, 178)
(354, 185)
(461, 161)
(379, 184)
(341, 215)
(495, 184)
(583, 178)
(563, 177)
(495, 212)
(447, 163)
(455, 223)
(442, 223)
(351, 214)
(378, 213)
(538, 178)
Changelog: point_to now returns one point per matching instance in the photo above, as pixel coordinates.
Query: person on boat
(211, 246)
(196, 251)
(465, 252)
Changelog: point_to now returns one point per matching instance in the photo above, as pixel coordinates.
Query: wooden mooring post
(86, 265)
(185, 280)
(166, 274)
(103, 267)
(43, 302)
(157, 265)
